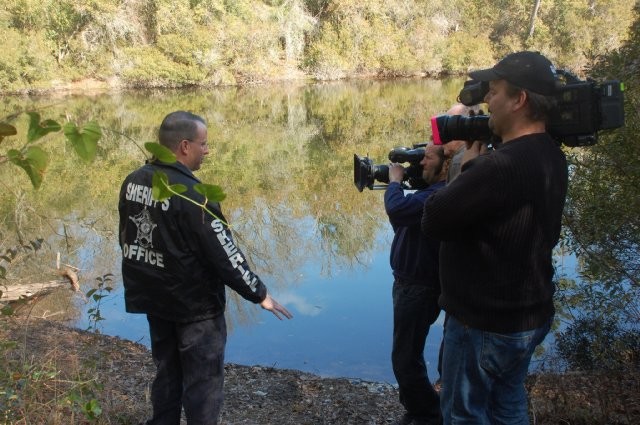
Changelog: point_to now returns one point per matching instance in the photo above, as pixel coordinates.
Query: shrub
(593, 343)
(25, 61)
(464, 53)
(149, 67)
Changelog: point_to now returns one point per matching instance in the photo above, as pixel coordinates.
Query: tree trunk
(532, 20)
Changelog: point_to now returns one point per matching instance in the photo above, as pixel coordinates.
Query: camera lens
(446, 128)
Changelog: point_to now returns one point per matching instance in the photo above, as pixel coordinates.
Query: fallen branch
(28, 290)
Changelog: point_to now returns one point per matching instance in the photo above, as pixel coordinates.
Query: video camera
(365, 172)
(582, 108)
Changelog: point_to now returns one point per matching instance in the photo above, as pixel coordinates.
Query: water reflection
(283, 154)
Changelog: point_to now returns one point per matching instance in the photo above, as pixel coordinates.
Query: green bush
(25, 61)
(594, 343)
(463, 54)
(179, 49)
(326, 59)
(252, 52)
(149, 67)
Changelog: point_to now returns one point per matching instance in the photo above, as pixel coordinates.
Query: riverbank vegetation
(602, 225)
(51, 44)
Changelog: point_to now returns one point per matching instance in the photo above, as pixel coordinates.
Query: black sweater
(499, 222)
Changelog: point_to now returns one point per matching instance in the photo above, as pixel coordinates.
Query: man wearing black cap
(499, 221)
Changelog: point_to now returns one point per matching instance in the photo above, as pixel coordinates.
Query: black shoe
(406, 419)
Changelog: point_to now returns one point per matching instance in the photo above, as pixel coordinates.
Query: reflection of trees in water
(84, 238)
(283, 154)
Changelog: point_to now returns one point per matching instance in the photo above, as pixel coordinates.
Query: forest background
(52, 44)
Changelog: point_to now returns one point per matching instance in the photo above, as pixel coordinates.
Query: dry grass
(586, 398)
(55, 371)
(50, 374)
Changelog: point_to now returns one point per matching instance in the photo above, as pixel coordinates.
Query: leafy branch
(33, 159)
(161, 189)
(96, 295)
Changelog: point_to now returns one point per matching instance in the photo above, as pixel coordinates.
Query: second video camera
(365, 172)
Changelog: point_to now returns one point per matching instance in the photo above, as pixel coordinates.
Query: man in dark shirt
(176, 261)
(414, 260)
(499, 221)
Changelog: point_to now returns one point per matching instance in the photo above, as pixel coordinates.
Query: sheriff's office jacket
(177, 258)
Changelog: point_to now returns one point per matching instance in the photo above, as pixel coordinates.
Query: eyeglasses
(202, 144)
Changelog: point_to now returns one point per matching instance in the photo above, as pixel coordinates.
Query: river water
(284, 156)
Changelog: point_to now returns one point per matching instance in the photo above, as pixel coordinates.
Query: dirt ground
(257, 395)
(253, 394)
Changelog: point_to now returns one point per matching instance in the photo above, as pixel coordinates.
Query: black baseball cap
(528, 70)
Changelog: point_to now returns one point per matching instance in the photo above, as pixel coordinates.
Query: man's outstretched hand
(272, 305)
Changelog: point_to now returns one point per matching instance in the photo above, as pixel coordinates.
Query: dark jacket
(499, 221)
(176, 258)
(414, 257)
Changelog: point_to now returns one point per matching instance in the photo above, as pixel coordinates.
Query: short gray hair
(178, 126)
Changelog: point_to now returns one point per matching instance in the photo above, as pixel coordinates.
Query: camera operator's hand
(473, 150)
(476, 147)
(451, 148)
(396, 172)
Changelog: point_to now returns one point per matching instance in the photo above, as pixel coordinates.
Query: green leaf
(93, 408)
(3, 275)
(160, 152)
(84, 140)
(212, 192)
(7, 130)
(34, 161)
(39, 129)
(178, 188)
(160, 186)
(161, 189)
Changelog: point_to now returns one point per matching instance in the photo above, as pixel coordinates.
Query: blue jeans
(484, 373)
(415, 308)
(189, 359)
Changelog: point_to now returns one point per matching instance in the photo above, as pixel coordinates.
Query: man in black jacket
(176, 261)
(499, 221)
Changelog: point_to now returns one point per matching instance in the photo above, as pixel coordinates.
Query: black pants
(189, 359)
(415, 309)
